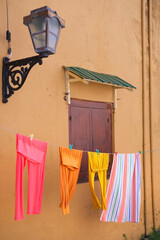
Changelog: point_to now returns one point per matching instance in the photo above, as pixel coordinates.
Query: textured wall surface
(156, 106)
(103, 36)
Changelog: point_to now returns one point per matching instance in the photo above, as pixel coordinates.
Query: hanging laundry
(124, 190)
(34, 152)
(70, 161)
(98, 162)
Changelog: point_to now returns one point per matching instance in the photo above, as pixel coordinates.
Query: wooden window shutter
(90, 128)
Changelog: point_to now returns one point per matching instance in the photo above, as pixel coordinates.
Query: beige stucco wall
(100, 35)
(156, 106)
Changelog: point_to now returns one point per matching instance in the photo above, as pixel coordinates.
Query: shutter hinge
(70, 118)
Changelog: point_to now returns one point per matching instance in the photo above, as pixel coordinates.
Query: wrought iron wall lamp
(44, 26)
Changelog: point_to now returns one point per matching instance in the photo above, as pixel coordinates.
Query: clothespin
(70, 146)
(97, 150)
(140, 152)
(31, 136)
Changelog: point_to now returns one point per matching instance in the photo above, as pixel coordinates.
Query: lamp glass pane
(39, 40)
(52, 41)
(37, 24)
(54, 26)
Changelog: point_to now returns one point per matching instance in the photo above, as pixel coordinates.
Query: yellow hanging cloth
(98, 163)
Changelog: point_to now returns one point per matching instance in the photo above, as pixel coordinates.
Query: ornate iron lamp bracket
(15, 73)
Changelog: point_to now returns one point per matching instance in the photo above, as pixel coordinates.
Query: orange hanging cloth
(70, 162)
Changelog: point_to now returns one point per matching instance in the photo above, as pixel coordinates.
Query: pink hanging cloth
(34, 152)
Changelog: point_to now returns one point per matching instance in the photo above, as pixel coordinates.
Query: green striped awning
(99, 77)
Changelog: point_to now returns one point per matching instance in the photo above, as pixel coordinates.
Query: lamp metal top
(43, 12)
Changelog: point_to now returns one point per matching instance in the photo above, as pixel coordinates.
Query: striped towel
(124, 189)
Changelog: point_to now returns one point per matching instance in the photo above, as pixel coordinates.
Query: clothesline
(52, 144)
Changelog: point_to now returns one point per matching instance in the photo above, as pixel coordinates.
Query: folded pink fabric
(35, 153)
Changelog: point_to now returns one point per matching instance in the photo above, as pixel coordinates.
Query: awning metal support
(71, 78)
(115, 99)
(67, 96)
